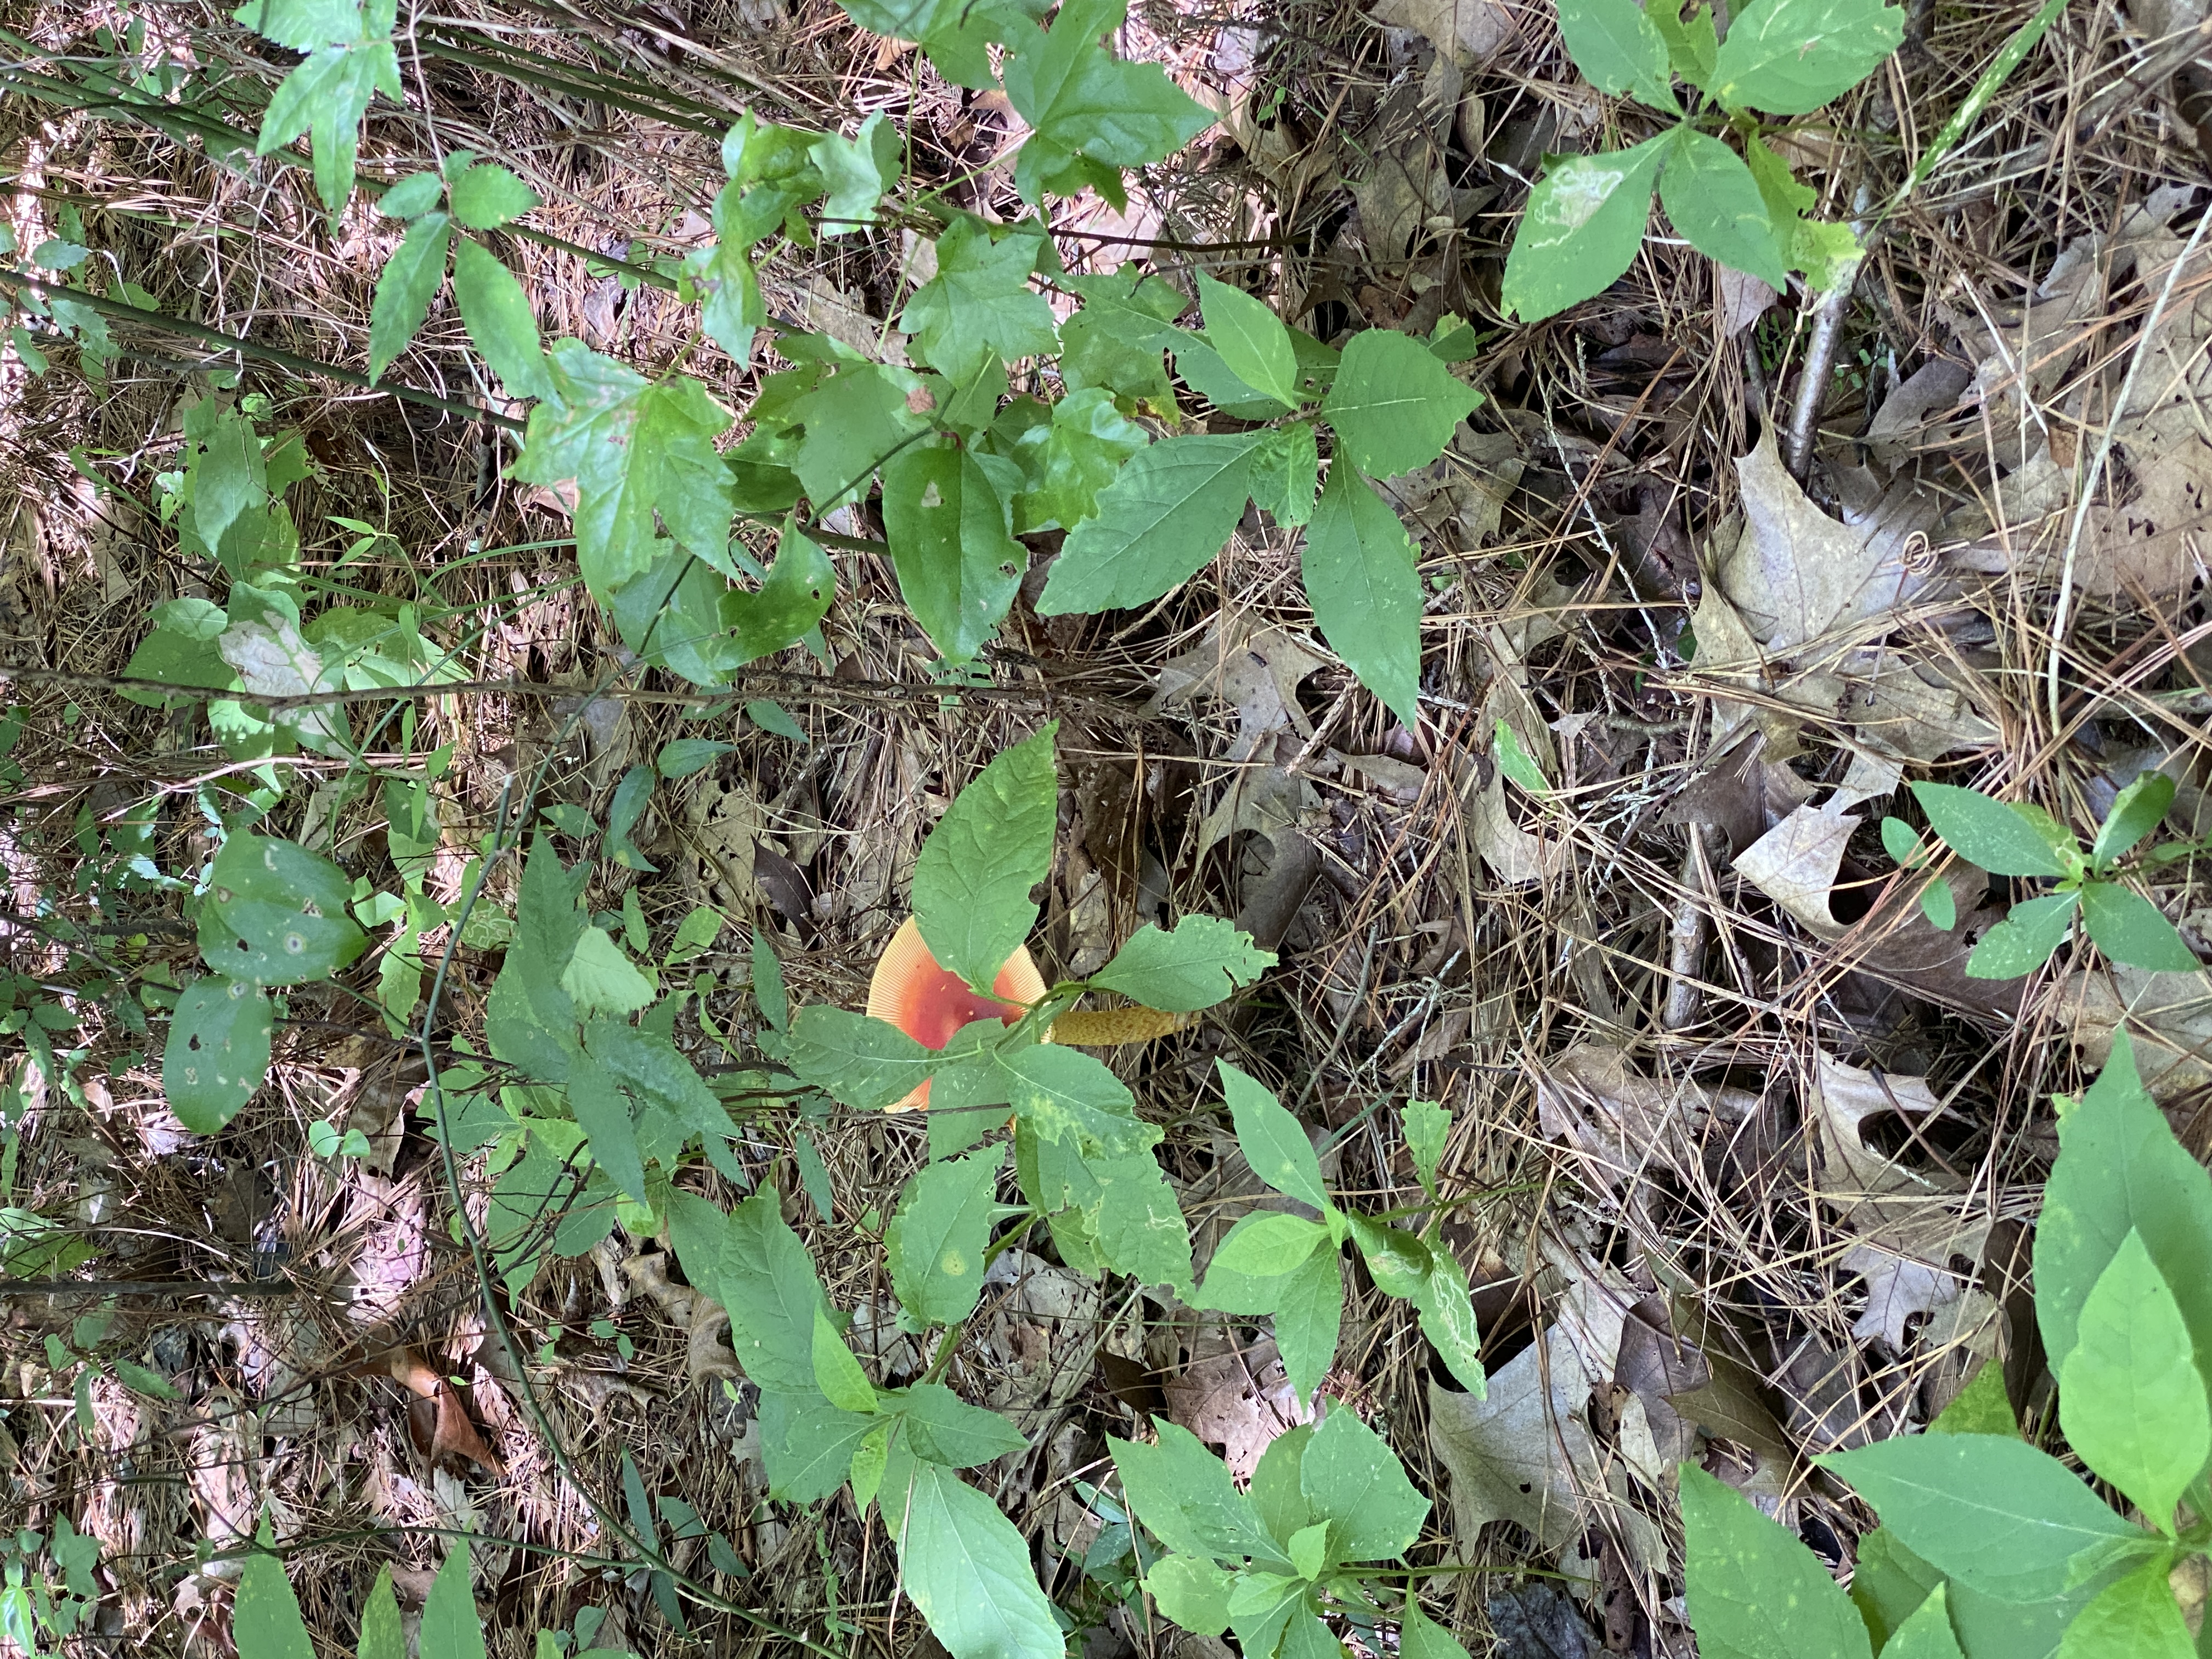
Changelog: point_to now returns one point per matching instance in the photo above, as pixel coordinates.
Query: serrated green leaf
(753, 1264)
(278, 914)
(854, 420)
(325, 98)
(1584, 224)
(1183, 1493)
(487, 196)
(1082, 451)
(1081, 100)
(403, 292)
(859, 170)
(953, 545)
(1308, 1319)
(2135, 813)
(1286, 473)
(837, 1373)
(1427, 1127)
(1363, 582)
(1308, 1548)
(1066, 1094)
(980, 302)
(500, 321)
(2128, 927)
(1114, 340)
(2136, 1618)
(1790, 56)
(1753, 1589)
(2131, 1399)
(1712, 199)
(600, 979)
(936, 1242)
(2024, 940)
(604, 1114)
(1138, 1225)
(1394, 406)
(972, 880)
(417, 193)
(451, 1629)
(867, 1064)
(1353, 1480)
(1273, 1142)
(1619, 49)
(1193, 965)
(264, 643)
(1251, 339)
(1158, 524)
(965, 1566)
(1993, 834)
(266, 1620)
(303, 24)
(940, 1427)
(808, 1444)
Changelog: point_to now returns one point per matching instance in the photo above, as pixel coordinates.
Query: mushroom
(929, 1002)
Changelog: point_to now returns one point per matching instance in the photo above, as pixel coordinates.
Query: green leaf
(1447, 1319)
(1993, 1512)
(753, 1264)
(635, 448)
(2135, 813)
(600, 979)
(403, 292)
(965, 1566)
(943, 1428)
(1193, 1593)
(382, 1636)
(1309, 1550)
(1692, 42)
(1193, 965)
(488, 196)
(604, 1114)
(266, 1620)
(1278, 1496)
(1354, 1481)
(2120, 1170)
(1081, 100)
(953, 545)
(325, 98)
(1183, 1493)
(1261, 1606)
(1427, 1127)
(1267, 1244)
(1992, 834)
(1516, 762)
(278, 913)
(1890, 1582)
(2130, 1398)
(859, 169)
(218, 1052)
(303, 24)
(1251, 339)
(1619, 49)
(682, 756)
(1421, 1637)
(1927, 1633)
(936, 1242)
(855, 420)
(1753, 1589)
(1981, 1407)
(1114, 340)
(2024, 940)
(837, 1372)
(1939, 904)
(1138, 1225)
(1069, 462)
(1163, 518)
(2128, 927)
(1273, 1142)
(178, 653)
(1713, 200)
(1286, 473)
(1393, 406)
(497, 314)
(451, 1629)
(2136, 1618)
(1067, 1095)
(972, 881)
(411, 196)
(807, 1444)
(980, 302)
(1363, 580)
(1584, 223)
(864, 1063)
(1308, 1319)
(1790, 56)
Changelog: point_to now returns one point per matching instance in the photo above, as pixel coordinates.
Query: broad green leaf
(218, 1052)
(1251, 339)
(2130, 1398)
(265, 645)
(1981, 1407)
(1619, 49)
(1183, 1493)
(1307, 1636)
(1309, 1550)
(785, 609)
(813, 1175)
(604, 1114)
(837, 1373)
(1286, 473)
(1158, 524)
(1261, 1606)
(1394, 406)
(303, 24)
(1308, 1319)
(1790, 56)
(972, 881)
(1891, 1582)
(854, 420)
(1939, 904)
(681, 757)
(1427, 1127)
(451, 1629)
(859, 169)
(1138, 1224)
(1069, 461)
(487, 196)
(869, 1459)
(1582, 226)
(1273, 1142)
(1277, 1493)
(176, 653)
(1207, 373)
(1363, 580)
(382, 1636)
(1421, 1637)
(864, 1063)
(1516, 762)
(1067, 1095)
(1115, 341)
(644, 1062)
(953, 545)
(284, 911)
(1993, 1512)
(266, 1620)
(325, 98)
(1927, 1633)
(1753, 1590)
(1267, 1244)
(1712, 199)
(2135, 813)
(411, 196)
(936, 1242)
(1193, 965)
(1353, 1479)
(1990, 832)
(753, 1264)
(1081, 100)
(2134, 1618)
(1825, 252)
(1692, 42)
(1447, 1320)
(498, 315)
(403, 292)
(1192, 1592)
(600, 979)
(2128, 927)
(965, 1566)
(2120, 1170)
(807, 1444)
(2024, 940)
(980, 302)
(941, 1427)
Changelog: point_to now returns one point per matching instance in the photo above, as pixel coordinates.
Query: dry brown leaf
(2160, 542)
(1744, 299)
(1255, 669)
(1234, 1395)
(448, 1432)
(2168, 1016)
(1594, 1100)
(1794, 865)
(1470, 32)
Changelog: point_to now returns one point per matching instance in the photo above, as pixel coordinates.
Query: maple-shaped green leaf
(859, 170)
(1394, 406)
(1790, 56)
(1366, 589)
(953, 545)
(1584, 223)
(634, 448)
(1072, 459)
(1082, 100)
(980, 302)
(1158, 524)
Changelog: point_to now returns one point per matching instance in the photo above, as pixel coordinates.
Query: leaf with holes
(275, 913)
(953, 545)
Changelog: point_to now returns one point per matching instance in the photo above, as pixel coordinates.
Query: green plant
(2014, 838)
(1586, 216)
(1991, 1547)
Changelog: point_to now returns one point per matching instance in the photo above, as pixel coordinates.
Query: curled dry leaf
(2168, 1016)
(707, 1357)
(448, 1432)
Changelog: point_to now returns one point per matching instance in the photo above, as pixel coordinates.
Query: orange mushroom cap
(929, 1002)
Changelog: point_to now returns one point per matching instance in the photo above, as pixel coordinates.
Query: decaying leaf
(1233, 1395)
(2168, 1016)
(1794, 865)
(707, 1356)
(449, 1432)
(1592, 1098)
(1469, 32)
(1255, 669)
